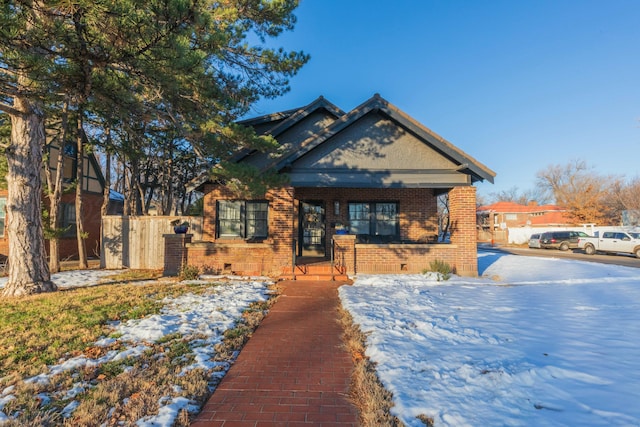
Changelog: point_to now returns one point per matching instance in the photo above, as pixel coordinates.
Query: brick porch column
(345, 251)
(175, 252)
(462, 208)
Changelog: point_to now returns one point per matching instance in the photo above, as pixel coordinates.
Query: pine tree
(188, 62)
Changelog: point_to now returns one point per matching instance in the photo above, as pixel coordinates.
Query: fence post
(175, 252)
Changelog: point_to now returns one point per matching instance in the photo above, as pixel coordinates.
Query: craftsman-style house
(362, 193)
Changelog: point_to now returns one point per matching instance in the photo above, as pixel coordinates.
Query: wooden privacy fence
(137, 242)
(498, 236)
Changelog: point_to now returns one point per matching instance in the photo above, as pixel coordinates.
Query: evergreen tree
(186, 62)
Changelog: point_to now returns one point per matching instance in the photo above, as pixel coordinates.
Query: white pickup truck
(611, 242)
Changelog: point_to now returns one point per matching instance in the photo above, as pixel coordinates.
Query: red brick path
(293, 371)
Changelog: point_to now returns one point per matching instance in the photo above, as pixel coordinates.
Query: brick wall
(91, 208)
(418, 225)
(461, 253)
(345, 252)
(417, 207)
(403, 258)
(236, 256)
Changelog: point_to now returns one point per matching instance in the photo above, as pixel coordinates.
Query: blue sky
(519, 85)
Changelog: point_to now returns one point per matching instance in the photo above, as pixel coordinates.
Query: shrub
(189, 272)
(442, 268)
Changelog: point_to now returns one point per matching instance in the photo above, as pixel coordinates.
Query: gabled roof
(277, 123)
(301, 113)
(378, 104)
(375, 145)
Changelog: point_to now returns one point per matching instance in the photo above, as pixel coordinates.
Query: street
(625, 260)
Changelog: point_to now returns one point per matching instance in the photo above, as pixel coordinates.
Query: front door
(312, 229)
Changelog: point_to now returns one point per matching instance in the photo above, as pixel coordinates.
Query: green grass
(41, 330)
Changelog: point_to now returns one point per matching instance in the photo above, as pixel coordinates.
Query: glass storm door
(312, 229)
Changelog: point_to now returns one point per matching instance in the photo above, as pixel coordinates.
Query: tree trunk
(54, 185)
(28, 269)
(104, 210)
(80, 235)
(128, 196)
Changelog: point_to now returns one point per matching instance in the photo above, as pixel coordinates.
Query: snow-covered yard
(545, 342)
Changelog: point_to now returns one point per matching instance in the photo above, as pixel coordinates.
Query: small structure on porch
(362, 193)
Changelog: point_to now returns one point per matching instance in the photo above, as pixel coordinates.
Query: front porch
(349, 259)
(303, 241)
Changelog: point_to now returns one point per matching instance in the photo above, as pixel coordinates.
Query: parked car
(563, 240)
(611, 242)
(534, 241)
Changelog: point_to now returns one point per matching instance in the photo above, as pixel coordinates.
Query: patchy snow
(206, 316)
(75, 278)
(534, 341)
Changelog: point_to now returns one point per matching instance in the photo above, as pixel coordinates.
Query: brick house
(494, 220)
(92, 192)
(362, 193)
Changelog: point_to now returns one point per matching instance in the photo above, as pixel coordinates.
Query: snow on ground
(207, 315)
(534, 341)
(75, 278)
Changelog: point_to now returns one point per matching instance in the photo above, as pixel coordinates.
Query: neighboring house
(92, 192)
(494, 220)
(362, 191)
(501, 215)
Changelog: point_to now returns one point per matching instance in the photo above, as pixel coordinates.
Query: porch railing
(294, 246)
(333, 249)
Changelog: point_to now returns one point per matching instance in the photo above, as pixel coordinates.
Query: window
(68, 220)
(70, 162)
(374, 219)
(242, 219)
(3, 214)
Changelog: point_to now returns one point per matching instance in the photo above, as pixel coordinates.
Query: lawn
(128, 351)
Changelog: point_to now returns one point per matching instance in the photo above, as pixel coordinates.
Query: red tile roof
(550, 218)
(512, 207)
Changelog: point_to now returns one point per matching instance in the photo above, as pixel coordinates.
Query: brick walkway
(293, 371)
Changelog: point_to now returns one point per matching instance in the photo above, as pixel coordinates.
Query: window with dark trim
(374, 219)
(242, 219)
(68, 220)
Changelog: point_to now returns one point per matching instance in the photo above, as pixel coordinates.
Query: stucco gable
(290, 128)
(378, 135)
(375, 143)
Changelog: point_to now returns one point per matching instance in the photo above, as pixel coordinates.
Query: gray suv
(563, 240)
